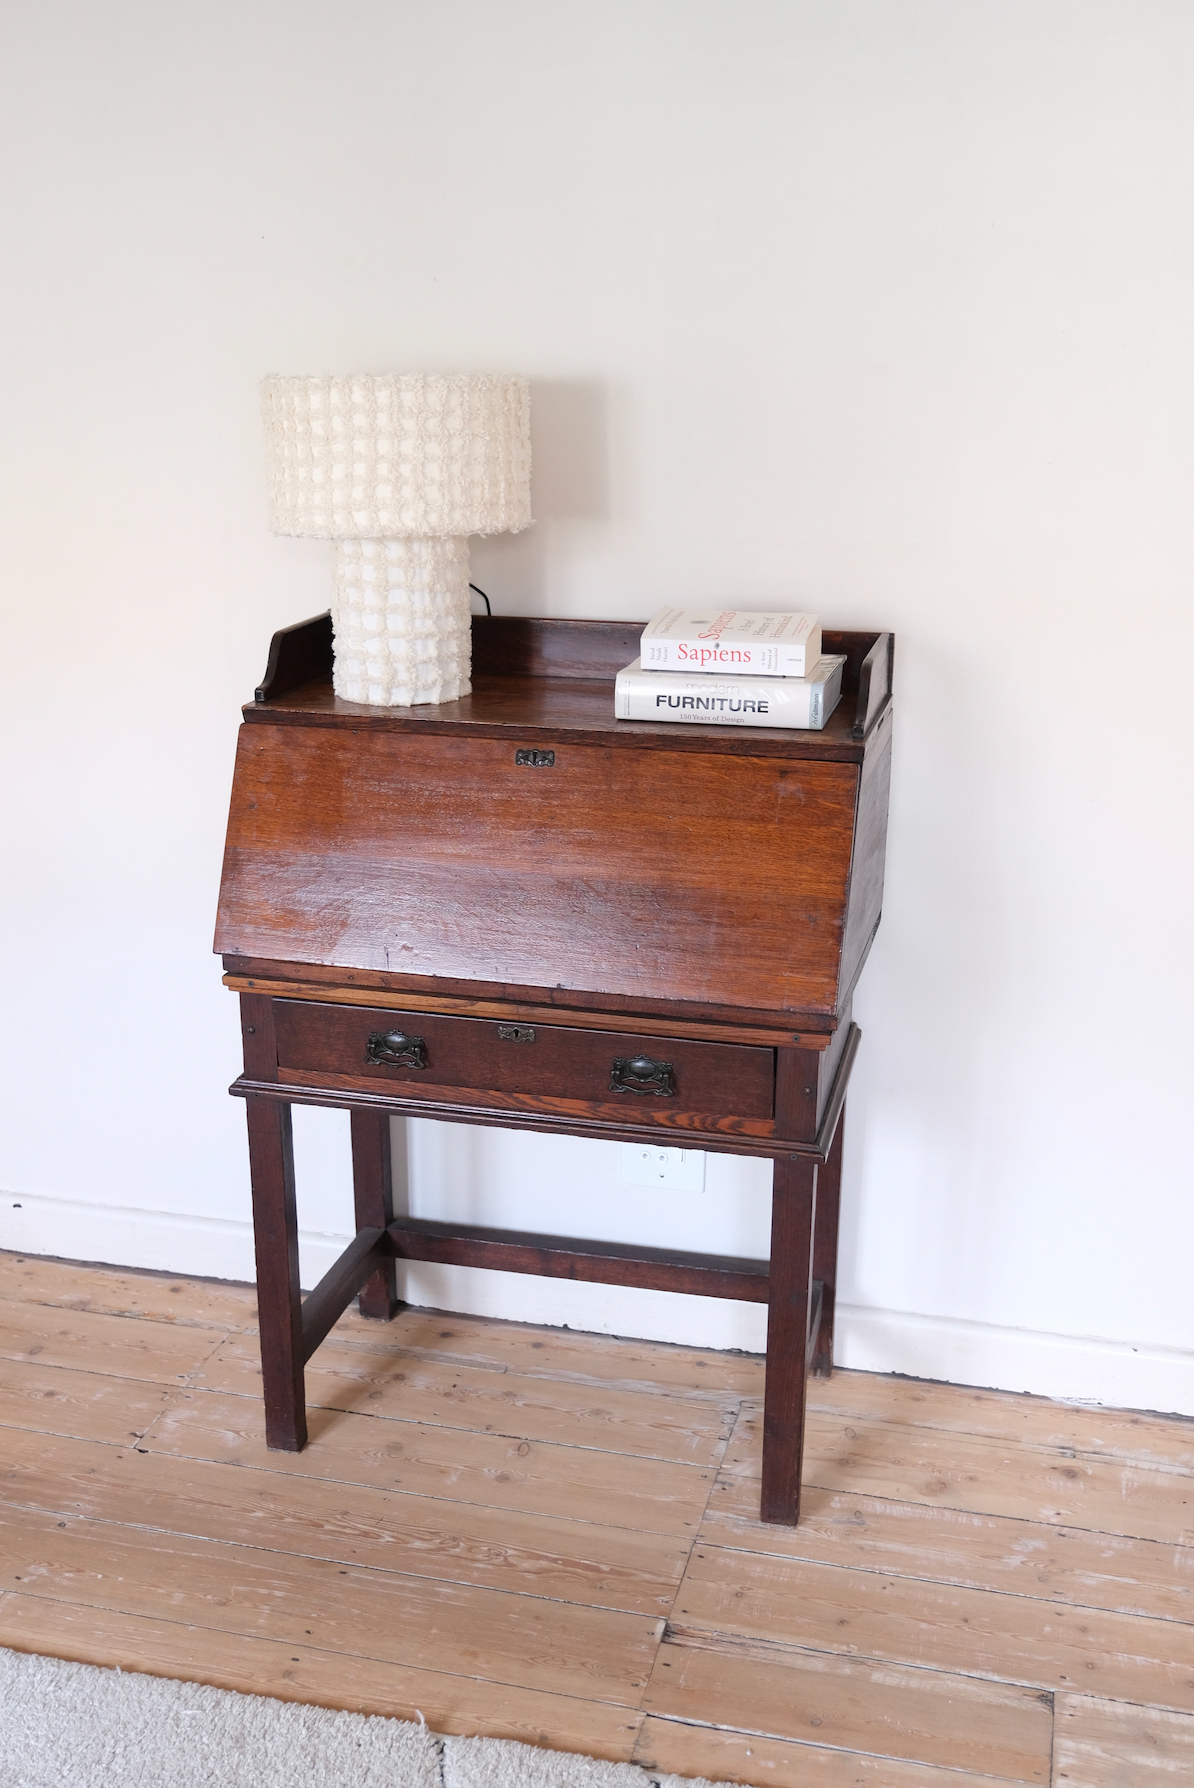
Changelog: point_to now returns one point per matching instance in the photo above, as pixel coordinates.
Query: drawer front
(477, 1061)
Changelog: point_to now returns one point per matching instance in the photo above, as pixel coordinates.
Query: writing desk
(512, 909)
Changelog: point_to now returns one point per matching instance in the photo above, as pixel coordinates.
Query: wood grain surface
(1103, 1744)
(359, 988)
(291, 1671)
(856, 1705)
(554, 1537)
(467, 1053)
(726, 1756)
(439, 855)
(1052, 1484)
(381, 1381)
(703, 1021)
(510, 708)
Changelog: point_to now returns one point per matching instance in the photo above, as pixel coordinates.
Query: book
(727, 640)
(642, 694)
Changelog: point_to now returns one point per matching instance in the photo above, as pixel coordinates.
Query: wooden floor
(552, 1537)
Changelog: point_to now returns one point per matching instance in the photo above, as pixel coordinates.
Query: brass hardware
(394, 1049)
(640, 1074)
(516, 1033)
(538, 760)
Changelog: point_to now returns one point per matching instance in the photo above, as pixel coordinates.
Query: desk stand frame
(796, 1284)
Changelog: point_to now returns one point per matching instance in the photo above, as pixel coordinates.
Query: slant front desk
(512, 909)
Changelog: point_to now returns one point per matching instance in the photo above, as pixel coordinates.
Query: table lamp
(398, 470)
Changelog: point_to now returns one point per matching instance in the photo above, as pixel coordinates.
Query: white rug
(77, 1726)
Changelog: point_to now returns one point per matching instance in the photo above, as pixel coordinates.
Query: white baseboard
(1081, 1368)
(119, 1236)
(1074, 1368)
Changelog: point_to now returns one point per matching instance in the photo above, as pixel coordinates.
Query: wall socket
(677, 1170)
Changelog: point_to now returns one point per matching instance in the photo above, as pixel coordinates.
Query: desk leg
(373, 1191)
(793, 1205)
(829, 1195)
(279, 1300)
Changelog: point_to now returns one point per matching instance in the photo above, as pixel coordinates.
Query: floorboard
(550, 1536)
(120, 1346)
(984, 1477)
(1141, 1439)
(723, 1756)
(1103, 1744)
(600, 1566)
(910, 1716)
(378, 1380)
(157, 1297)
(934, 1626)
(301, 1672)
(955, 1546)
(502, 1471)
(505, 1636)
(85, 1405)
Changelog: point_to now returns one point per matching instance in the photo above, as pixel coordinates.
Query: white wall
(879, 305)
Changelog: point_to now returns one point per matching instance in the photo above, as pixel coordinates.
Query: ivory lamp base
(401, 621)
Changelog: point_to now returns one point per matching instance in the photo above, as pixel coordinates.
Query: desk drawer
(479, 1061)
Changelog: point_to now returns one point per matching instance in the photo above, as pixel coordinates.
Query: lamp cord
(484, 598)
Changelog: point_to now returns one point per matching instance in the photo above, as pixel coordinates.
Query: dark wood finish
(552, 1117)
(529, 646)
(805, 1080)
(395, 851)
(559, 1257)
(279, 1301)
(829, 1062)
(793, 1201)
(855, 647)
(297, 655)
(836, 1102)
(864, 902)
(519, 646)
(545, 712)
(366, 990)
(814, 1322)
(874, 684)
(567, 1118)
(373, 1196)
(829, 1197)
(323, 1307)
(257, 1036)
(694, 1018)
(797, 1077)
(470, 1054)
(678, 914)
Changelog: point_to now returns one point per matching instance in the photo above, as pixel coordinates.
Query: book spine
(707, 656)
(643, 698)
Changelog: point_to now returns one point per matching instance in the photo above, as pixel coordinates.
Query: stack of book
(720, 667)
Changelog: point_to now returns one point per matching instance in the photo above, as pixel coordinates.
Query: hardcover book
(727, 641)
(642, 694)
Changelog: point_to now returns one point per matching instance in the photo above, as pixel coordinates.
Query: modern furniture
(512, 909)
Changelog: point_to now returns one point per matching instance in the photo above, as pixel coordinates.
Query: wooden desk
(513, 909)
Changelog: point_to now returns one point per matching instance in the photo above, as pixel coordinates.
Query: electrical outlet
(678, 1170)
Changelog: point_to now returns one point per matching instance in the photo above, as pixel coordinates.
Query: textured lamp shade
(398, 470)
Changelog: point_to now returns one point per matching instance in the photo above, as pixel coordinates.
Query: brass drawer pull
(516, 1033)
(394, 1049)
(639, 1074)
